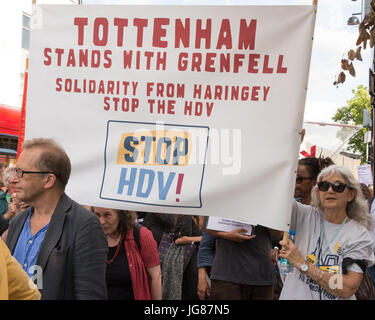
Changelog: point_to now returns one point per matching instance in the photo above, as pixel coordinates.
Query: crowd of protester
(74, 251)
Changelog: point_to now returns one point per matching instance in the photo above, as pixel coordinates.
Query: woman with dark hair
(133, 266)
(307, 174)
(333, 245)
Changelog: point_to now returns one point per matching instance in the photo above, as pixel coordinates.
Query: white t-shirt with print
(352, 240)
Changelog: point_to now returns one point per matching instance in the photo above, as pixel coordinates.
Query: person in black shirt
(133, 265)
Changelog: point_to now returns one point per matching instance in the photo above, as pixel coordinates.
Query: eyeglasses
(336, 186)
(300, 179)
(20, 172)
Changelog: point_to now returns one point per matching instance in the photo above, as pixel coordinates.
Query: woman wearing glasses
(333, 245)
(307, 175)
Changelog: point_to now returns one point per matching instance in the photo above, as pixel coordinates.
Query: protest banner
(364, 173)
(174, 109)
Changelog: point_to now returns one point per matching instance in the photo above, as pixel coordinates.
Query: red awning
(10, 120)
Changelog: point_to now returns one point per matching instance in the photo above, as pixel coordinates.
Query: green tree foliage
(352, 113)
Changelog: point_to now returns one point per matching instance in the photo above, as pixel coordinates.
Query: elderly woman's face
(336, 200)
(108, 218)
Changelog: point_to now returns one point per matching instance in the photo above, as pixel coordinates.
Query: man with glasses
(58, 243)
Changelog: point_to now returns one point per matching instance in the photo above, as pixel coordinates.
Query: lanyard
(322, 233)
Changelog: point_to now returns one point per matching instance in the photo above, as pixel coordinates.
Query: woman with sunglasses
(307, 174)
(333, 245)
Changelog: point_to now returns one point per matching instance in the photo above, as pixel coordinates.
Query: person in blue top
(59, 243)
(206, 255)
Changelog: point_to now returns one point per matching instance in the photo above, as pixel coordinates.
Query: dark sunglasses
(336, 186)
(300, 179)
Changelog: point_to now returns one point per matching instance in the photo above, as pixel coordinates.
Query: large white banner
(174, 109)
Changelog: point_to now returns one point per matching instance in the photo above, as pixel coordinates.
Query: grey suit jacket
(72, 255)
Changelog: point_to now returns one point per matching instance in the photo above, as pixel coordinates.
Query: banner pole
(21, 134)
(285, 236)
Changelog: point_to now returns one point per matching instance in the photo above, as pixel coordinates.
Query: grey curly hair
(357, 209)
(7, 174)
